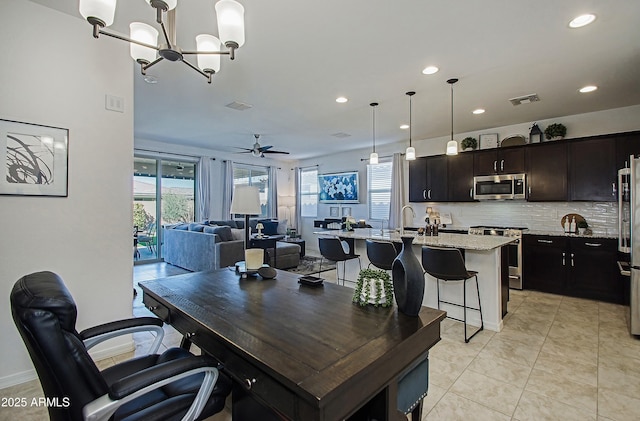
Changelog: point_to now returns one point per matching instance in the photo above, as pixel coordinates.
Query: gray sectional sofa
(216, 244)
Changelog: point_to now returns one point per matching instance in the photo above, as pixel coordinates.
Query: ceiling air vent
(341, 135)
(240, 106)
(525, 99)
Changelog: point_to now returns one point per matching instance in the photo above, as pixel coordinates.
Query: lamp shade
(246, 200)
(230, 15)
(143, 33)
(410, 154)
(171, 4)
(99, 9)
(452, 147)
(373, 158)
(206, 62)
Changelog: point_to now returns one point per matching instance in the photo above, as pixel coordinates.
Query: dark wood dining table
(296, 352)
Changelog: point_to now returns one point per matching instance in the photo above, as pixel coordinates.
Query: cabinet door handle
(471, 192)
(563, 256)
(546, 241)
(613, 189)
(424, 194)
(572, 264)
(495, 166)
(502, 165)
(429, 194)
(593, 244)
(529, 190)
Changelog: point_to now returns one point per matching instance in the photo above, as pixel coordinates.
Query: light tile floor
(557, 358)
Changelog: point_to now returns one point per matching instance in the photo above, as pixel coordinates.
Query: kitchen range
(515, 249)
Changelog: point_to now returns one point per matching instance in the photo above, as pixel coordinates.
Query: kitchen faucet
(402, 217)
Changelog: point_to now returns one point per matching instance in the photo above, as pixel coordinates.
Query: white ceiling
(300, 55)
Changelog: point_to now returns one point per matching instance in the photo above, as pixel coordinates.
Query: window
(308, 193)
(254, 176)
(379, 190)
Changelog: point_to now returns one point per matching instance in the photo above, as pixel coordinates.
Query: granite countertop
(564, 234)
(463, 241)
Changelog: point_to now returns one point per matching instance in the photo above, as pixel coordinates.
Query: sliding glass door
(163, 193)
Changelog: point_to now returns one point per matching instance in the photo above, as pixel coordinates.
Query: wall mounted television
(339, 187)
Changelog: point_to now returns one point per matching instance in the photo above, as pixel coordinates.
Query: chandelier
(145, 49)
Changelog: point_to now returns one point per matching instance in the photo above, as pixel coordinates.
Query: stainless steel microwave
(499, 187)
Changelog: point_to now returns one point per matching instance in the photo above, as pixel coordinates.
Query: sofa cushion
(270, 227)
(229, 223)
(196, 227)
(237, 233)
(224, 232)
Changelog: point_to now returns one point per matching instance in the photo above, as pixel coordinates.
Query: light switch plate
(114, 103)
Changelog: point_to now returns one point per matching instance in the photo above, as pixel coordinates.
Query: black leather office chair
(447, 264)
(331, 249)
(170, 386)
(381, 254)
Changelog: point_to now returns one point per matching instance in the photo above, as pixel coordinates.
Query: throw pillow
(223, 232)
(237, 233)
(270, 227)
(282, 227)
(183, 227)
(196, 227)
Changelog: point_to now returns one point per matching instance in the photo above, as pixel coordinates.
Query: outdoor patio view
(175, 181)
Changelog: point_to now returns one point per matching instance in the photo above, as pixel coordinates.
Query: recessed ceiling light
(479, 111)
(404, 126)
(589, 88)
(582, 20)
(429, 70)
(341, 100)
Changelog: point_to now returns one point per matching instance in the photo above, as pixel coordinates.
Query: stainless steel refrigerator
(629, 234)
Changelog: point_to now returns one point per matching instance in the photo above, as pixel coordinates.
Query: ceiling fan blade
(287, 153)
(265, 147)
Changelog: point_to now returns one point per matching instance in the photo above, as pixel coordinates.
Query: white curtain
(298, 208)
(397, 191)
(272, 212)
(227, 192)
(203, 187)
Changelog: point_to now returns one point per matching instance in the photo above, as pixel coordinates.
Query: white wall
(540, 216)
(54, 73)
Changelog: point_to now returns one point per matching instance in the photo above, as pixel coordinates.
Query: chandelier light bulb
(208, 62)
(230, 16)
(103, 10)
(143, 33)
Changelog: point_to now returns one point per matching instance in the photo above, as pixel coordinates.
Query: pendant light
(452, 145)
(373, 158)
(410, 153)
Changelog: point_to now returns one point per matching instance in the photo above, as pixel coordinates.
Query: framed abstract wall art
(35, 158)
(338, 187)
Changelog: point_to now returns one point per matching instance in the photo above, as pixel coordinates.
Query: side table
(298, 241)
(266, 242)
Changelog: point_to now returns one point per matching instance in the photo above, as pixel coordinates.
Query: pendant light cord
(411, 94)
(373, 106)
(451, 82)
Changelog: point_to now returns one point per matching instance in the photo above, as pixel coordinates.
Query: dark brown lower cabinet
(574, 266)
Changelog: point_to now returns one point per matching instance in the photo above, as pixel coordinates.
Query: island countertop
(462, 241)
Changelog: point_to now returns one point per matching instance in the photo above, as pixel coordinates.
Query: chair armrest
(142, 382)
(98, 334)
(229, 252)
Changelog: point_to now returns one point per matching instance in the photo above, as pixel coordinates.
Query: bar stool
(381, 254)
(447, 264)
(331, 249)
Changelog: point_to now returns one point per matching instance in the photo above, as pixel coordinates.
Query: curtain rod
(252, 165)
(386, 156)
(168, 153)
(304, 168)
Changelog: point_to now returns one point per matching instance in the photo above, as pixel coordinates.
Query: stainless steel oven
(515, 250)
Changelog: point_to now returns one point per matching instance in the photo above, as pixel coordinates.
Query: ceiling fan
(259, 151)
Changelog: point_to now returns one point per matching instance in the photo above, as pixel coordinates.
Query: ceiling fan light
(206, 42)
(230, 16)
(99, 9)
(410, 154)
(373, 158)
(143, 33)
(452, 147)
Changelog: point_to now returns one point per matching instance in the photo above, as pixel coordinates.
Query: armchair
(173, 385)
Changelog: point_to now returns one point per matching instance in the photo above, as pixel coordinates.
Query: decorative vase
(408, 279)
(373, 287)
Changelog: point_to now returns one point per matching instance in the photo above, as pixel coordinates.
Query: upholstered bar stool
(331, 249)
(381, 254)
(447, 264)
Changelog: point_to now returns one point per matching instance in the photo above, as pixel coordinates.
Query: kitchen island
(486, 255)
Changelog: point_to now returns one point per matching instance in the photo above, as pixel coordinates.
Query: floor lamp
(246, 200)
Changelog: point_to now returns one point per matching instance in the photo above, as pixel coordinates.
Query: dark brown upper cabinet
(428, 179)
(460, 177)
(499, 161)
(546, 165)
(592, 170)
(626, 144)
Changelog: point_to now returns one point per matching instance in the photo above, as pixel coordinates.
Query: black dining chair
(447, 264)
(332, 249)
(173, 385)
(381, 254)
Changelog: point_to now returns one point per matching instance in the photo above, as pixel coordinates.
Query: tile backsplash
(602, 217)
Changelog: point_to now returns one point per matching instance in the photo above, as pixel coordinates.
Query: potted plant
(582, 226)
(555, 131)
(374, 286)
(469, 143)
